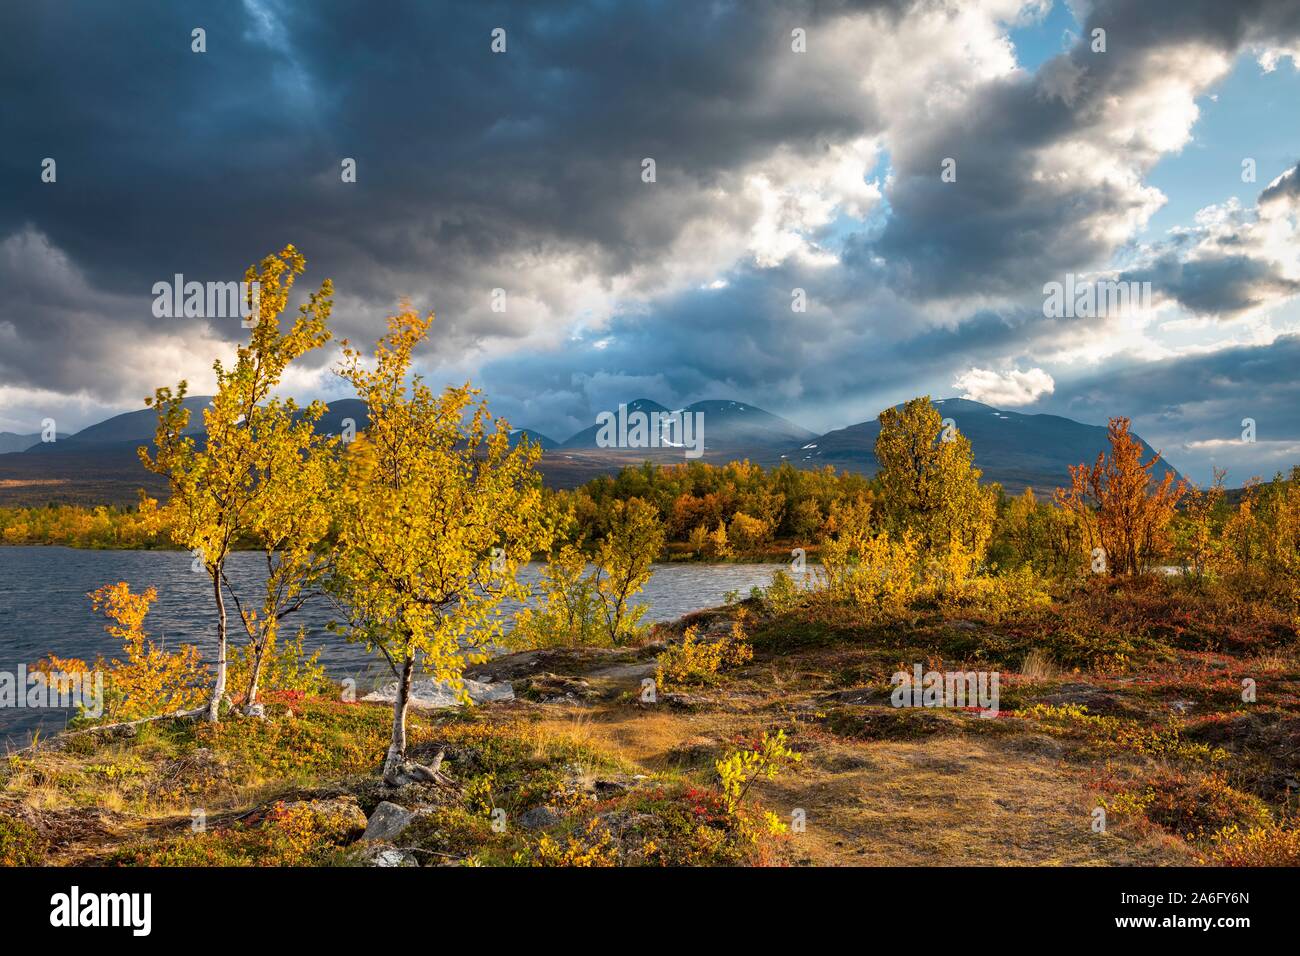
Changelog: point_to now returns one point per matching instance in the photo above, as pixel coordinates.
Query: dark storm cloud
(1229, 264)
(839, 362)
(171, 161)
(522, 171)
(1223, 285)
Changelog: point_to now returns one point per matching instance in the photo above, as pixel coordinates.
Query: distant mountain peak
(728, 424)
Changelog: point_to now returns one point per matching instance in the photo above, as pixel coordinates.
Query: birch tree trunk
(219, 685)
(259, 655)
(401, 702)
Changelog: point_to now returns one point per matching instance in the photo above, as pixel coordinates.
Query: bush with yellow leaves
(876, 573)
(693, 661)
(570, 615)
(785, 593)
(998, 596)
(747, 533)
(596, 848)
(740, 768)
(1272, 843)
(286, 665)
(151, 680)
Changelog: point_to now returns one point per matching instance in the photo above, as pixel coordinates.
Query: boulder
(551, 688)
(381, 855)
(539, 818)
(387, 822)
(430, 694)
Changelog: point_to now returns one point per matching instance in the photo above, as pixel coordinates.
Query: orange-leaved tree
(255, 475)
(1124, 510)
(436, 512)
(152, 680)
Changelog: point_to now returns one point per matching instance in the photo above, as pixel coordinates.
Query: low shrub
(692, 661)
(299, 834)
(20, 844)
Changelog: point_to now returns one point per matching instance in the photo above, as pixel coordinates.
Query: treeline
(717, 511)
(743, 511)
(99, 527)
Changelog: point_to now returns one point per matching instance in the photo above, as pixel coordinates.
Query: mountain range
(99, 465)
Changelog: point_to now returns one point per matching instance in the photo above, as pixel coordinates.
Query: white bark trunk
(219, 685)
(401, 703)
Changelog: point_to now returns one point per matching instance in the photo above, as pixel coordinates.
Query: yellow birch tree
(237, 485)
(435, 514)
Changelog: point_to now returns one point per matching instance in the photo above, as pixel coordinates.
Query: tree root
(408, 771)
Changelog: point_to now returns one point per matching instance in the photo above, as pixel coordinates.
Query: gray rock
(539, 818)
(387, 822)
(611, 788)
(387, 856)
(429, 694)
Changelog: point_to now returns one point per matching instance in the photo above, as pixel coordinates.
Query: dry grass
(1038, 666)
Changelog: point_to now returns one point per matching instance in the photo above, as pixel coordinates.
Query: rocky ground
(1156, 759)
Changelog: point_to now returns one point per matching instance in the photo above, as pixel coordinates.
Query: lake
(44, 609)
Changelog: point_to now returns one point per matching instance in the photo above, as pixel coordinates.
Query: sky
(923, 171)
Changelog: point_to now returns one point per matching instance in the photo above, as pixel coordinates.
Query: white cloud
(1005, 389)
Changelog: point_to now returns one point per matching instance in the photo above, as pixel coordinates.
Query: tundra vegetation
(1144, 717)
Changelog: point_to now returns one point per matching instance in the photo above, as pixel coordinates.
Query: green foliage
(866, 568)
(570, 615)
(583, 608)
(996, 597)
(929, 488)
(1274, 843)
(698, 503)
(299, 834)
(1193, 806)
(20, 844)
(261, 472)
(783, 593)
(1122, 734)
(434, 517)
(286, 667)
(98, 527)
(1038, 534)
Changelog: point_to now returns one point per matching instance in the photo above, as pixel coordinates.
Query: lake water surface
(44, 609)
